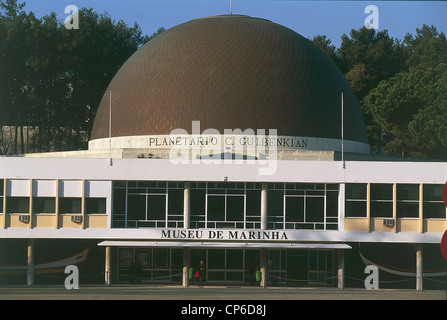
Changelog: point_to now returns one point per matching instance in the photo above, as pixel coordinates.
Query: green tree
(324, 44)
(93, 55)
(366, 58)
(411, 109)
(426, 49)
(17, 39)
(53, 78)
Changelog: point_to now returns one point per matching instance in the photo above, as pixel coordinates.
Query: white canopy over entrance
(211, 244)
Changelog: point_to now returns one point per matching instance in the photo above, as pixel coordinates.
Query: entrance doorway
(321, 267)
(228, 266)
(297, 267)
(150, 265)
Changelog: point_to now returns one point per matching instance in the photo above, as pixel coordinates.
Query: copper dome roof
(230, 72)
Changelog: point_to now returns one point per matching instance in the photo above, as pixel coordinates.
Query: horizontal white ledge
(218, 244)
(155, 235)
(229, 170)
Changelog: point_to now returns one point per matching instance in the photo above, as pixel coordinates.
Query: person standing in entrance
(201, 273)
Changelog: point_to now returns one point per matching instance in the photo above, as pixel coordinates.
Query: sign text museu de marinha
(191, 234)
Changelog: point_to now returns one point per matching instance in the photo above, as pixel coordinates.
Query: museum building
(232, 140)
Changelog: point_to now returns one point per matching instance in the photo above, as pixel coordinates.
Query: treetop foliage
(52, 80)
(401, 87)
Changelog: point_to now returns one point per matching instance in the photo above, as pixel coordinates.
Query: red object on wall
(444, 245)
(444, 236)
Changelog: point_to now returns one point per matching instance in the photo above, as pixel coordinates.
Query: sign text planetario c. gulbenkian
(223, 234)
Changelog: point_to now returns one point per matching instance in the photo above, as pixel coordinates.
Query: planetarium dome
(228, 72)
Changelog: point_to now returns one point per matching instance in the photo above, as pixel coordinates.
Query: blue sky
(309, 18)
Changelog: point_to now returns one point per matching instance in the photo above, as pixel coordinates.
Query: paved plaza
(146, 292)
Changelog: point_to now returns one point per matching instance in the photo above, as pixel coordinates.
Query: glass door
(297, 265)
(277, 267)
(321, 267)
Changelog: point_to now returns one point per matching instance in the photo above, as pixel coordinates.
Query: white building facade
(165, 216)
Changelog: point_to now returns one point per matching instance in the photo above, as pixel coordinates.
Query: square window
(235, 208)
(216, 208)
(44, 205)
(95, 205)
(136, 207)
(294, 209)
(175, 201)
(407, 209)
(433, 192)
(434, 210)
(314, 209)
(70, 205)
(17, 205)
(198, 197)
(355, 191)
(275, 203)
(381, 191)
(253, 202)
(156, 207)
(381, 209)
(355, 209)
(407, 192)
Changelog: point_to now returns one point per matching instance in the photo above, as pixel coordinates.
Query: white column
(108, 267)
(186, 205)
(264, 206)
(263, 267)
(263, 252)
(341, 269)
(30, 270)
(341, 207)
(419, 267)
(186, 266)
(186, 225)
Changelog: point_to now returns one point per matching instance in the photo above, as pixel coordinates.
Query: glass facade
(149, 204)
(225, 205)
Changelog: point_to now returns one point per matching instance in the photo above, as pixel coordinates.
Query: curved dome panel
(230, 72)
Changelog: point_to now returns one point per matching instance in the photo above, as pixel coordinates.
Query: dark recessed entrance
(228, 266)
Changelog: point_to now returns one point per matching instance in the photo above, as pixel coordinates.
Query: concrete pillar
(263, 252)
(5, 186)
(263, 267)
(264, 206)
(187, 205)
(341, 269)
(395, 207)
(108, 267)
(31, 217)
(186, 266)
(419, 267)
(186, 225)
(30, 270)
